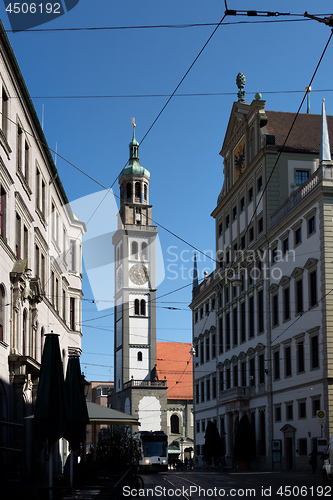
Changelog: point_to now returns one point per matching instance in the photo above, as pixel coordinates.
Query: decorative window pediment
(250, 351)
(212, 329)
(273, 288)
(259, 347)
(234, 359)
(206, 333)
(226, 362)
(310, 263)
(284, 281)
(297, 272)
(219, 365)
(242, 355)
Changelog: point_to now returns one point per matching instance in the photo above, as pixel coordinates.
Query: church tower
(134, 257)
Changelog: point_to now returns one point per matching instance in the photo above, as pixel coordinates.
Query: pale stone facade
(40, 264)
(264, 346)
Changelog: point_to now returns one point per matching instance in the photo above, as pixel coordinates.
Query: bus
(153, 454)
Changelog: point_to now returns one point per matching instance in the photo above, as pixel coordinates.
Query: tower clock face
(139, 274)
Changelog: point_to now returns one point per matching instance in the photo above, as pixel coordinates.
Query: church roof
(175, 362)
(306, 132)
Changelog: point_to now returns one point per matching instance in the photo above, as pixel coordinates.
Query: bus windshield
(154, 448)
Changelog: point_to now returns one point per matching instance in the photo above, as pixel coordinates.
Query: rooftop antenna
(308, 90)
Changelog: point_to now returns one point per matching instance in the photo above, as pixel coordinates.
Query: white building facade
(40, 264)
(262, 319)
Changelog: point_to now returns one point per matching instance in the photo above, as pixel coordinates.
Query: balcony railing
(145, 383)
(235, 393)
(324, 172)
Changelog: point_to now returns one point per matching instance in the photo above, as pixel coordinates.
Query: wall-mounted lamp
(237, 281)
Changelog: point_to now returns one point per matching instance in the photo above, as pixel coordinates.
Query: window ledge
(4, 144)
(24, 183)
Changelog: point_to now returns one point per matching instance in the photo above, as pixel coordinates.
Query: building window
(261, 369)
(275, 310)
(287, 361)
(201, 313)
(301, 176)
(214, 387)
(286, 304)
(207, 349)
(235, 370)
(174, 424)
(207, 308)
(313, 288)
(289, 411)
(285, 246)
(213, 345)
(243, 323)
(278, 414)
(2, 313)
(274, 255)
(242, 243)
(276, 365)
(137, 307)
(315, 406)
(2, 212)
(235, 327)
(129, 190)
(220, 335)
(19, 147)
(197, 395)
(24, 332)
(251, 317)
(260, 225)
(72, 313)
(301, 409)
(250, 195)
(213, 304)
(203, 426)
(196, 316)
(299, 296)
(243, 374)
(5, 109)
(208, 389)
(221, 381)
(227, 221)
(242, 204)
(144, 250)
(145, 192)
(252, 372)
(220, 229)
(234, 213)
(202, 352)
(300, 356)
(227, 331)
(259, 184)
(202, 391)
(228, 378)
(137, 190)
(311, 225)
(72, 248)
(298, 236)
(18, 237)
(314, 352)
(260, 311)
(143, 307)
(135, 250)
(139, 356)
(251, 234)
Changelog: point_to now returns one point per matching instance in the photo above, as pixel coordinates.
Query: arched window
(139, 356)
(174, 424)
(143, 307)
(137, 306)
(24, 331)
(144, 251)
(2, 312)
(135, 250)
(145, 192)
(129, 190)
(137, 190)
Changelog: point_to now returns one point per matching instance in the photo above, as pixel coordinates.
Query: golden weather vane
(133, 122)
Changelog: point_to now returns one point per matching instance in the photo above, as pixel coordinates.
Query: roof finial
(308, 90)
(240, 82)
(325, 150)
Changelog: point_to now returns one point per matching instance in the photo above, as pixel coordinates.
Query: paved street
(202, 484)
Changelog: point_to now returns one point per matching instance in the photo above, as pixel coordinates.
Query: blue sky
(182, 149)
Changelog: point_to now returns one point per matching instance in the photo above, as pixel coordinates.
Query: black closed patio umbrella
(51, 411)
(78, 414)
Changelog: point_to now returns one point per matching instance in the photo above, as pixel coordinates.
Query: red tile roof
(175, 362)
(305, 135)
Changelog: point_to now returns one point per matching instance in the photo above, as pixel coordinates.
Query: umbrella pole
(51, 472)
(71, 469)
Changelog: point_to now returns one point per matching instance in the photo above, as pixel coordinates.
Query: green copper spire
(134, 167)
(325, 150)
